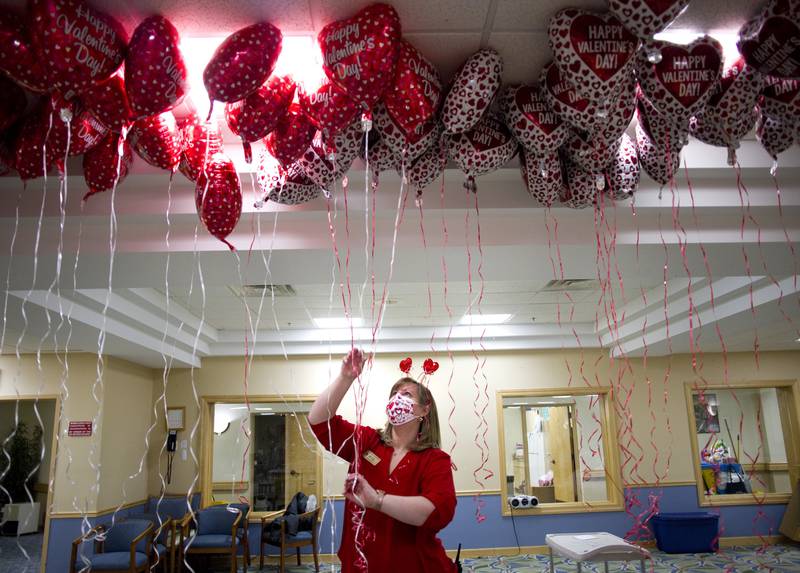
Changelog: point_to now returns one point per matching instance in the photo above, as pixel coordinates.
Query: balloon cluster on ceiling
(569, 128)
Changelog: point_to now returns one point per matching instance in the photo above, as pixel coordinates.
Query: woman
(399, 491)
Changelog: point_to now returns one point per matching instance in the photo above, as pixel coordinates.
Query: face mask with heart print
(400, 410)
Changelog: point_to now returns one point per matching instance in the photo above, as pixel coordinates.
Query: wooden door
(301, 457)
(558, 444)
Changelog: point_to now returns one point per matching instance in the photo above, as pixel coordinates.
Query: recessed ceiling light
(477, 319)
(337, 322)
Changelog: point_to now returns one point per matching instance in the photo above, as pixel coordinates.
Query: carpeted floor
(13, 560)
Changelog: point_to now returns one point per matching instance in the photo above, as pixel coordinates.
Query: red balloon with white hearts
(108, 102)
(242, 62)
(680, 85)
(416, 92)
(157, 140)
(404, 146)
(29, 147)
(535, 125)
(291, 137)
(485, 148)
(329, 109)
(647, 17)
(155, 73)
(218, 197)
(79, 45)
(360, 53)
(594, 50)
(106, 165)
(73, 125)
(12, 102)
(542, 175)
(285, 186)
(200, 142)
(472, 91)
(18, 59)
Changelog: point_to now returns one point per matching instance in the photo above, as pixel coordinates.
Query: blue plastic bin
(694, 532)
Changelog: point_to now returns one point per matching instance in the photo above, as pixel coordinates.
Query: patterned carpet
(12, 560)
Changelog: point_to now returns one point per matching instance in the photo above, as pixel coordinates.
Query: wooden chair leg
(261, 557)
(316, 557)
(298, 555)
(283, 559)
(234, 561)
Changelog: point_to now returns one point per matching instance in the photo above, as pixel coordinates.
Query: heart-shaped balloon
(155, 73)
(591, 154)
(242, 62)
(291, 137)
(416, 92)
(429, 366)
(486, 147)
(17, 56)
(157, 140)
(345, 146)
(200, 142)
(710, 129)
(780, 99)
(218, 197)
(594, 50)
(622, 175)
(533, 122)
(583, 188)
(774, 135)
(542, 176)
(29, 148)
(106, 165)
(108, 102)
(770, 43)
(285, 186)
(659, 128)
(680, 84)
(659, 163)
(329, 109)
(73, 125)
(318, 168)
(408, 148)
(7, 152)
(574, 109)
(259, 113)
(360, 53)
(619, 115)
(380, 156)
(427, 168)
(79, 45)
(472, 91)
(647, 17)
(12, 102)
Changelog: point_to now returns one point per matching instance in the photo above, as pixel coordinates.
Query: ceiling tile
(524, 55)
(415, 15)
(529, 16)
(715, 15)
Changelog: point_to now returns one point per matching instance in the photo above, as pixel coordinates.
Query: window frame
(789, 405)
(610, 453)
(207, 443)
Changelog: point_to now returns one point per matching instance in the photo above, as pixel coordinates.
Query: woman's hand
(353, 364)
(358, 490)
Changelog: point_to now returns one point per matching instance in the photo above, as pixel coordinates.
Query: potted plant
(24, 448)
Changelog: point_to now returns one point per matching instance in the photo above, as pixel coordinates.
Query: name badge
(372, 457)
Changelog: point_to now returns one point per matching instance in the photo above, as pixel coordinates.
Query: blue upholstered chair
(125, 546)
(291, 530)
(215, 533)
(171, 511)
(241, 533)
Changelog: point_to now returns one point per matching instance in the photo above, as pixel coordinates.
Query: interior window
(263, 454)
(554, 447)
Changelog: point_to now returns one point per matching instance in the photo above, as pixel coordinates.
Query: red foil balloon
(259, 113)
(218, 197)
(533, 122)
(647, 17)
(155, 73)
(542, 176)
(17, 56)
(289, 140)
(486, 147)
(472, 91)
(285, 187)
(594, 50)
(243, 62)
(200, 142)
(780, 99)
(79, 45)
(416, 92)
(29, 149)
(157, 140)
(104, 166)
(108, 102)
(85, 131)
(360, 53)
(329, 109)
(395, 137)
(12, 102)
(680, 85)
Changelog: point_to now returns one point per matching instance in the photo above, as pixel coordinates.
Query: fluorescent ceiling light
(239, 408)
(337, 322)
(473, 319)
(263, 409)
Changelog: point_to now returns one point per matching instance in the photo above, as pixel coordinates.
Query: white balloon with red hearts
(770, 42)
(284, 186)
(774, 135)
(378, 155)
(583, 188)
(318, 168)
(426, 169)
(542, 175)
(592, 154)
(647, 17)
(659, 163)
(623, 174)
(472, 91)
(594, 50)
(659, 128)
(680, 85)
(535, 125)
(780, 99)
(485, 148)
(562, 96)
(408, 147)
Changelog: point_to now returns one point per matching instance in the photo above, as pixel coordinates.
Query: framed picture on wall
(706, 413)
(175, 417)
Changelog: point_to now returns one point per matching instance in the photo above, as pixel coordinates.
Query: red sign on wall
(80, 429)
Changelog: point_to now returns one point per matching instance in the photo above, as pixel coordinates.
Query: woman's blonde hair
(429, 435)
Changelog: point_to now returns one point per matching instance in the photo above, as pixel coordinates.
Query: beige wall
(504, 370)
(127, 402)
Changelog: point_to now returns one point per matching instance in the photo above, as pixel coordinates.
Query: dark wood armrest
(164, 525)
(135, 541)
(74, 553)
(235, 525)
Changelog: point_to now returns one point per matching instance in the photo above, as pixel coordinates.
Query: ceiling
(692, 239)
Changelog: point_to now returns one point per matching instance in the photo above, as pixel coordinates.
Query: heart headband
(428, 367)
